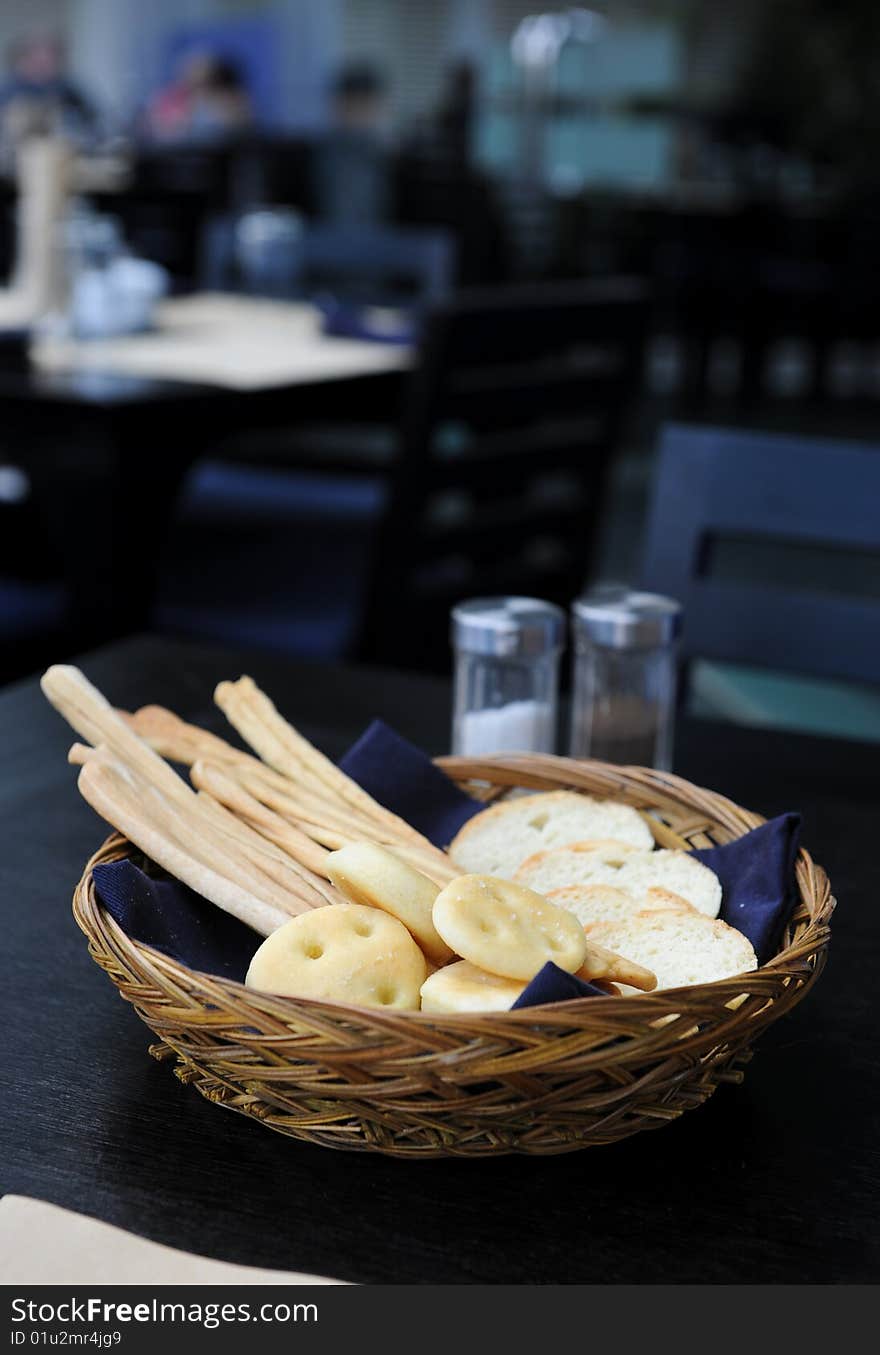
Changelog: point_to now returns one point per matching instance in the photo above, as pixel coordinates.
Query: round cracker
(462, 987)
(505, 928)
(372, 875)
(342, 953)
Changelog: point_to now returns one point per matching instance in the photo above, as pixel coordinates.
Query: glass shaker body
(625, 677)
(506, 675)
(268, 249)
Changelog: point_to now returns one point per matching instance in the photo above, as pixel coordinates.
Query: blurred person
(439, 183)
(351, 173)
(222, 104)
(446, 134)
(38, 96)
(457, 110)
(359, 100)
(207, 100)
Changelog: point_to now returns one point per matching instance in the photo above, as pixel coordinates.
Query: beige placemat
(42, 1244)
(233, 341)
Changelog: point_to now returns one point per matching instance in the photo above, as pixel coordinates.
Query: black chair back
(817, 503)
(512, 416)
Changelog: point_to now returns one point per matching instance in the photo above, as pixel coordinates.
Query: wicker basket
(545, 1080)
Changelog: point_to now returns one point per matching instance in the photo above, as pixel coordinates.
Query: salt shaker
(623, 702)
(506, 675)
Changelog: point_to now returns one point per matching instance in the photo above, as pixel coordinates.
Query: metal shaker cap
(508, 628)
(615, 618)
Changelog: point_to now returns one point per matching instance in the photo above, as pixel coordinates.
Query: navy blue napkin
(176, 920)
(758, 881)
(342, 320)
(552, 984)
(403, 779)
(756, 874)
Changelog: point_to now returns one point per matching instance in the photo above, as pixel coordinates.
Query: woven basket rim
(647, 1008)
(637, 1003)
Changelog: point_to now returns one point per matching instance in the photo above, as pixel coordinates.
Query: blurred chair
(272, 559)
(369, 262)
(772, 544)
(33, 601)
(464, 202)
(764, 302)
(8, 212)
(171, 193)
(513, 416)
(493, 484)
(421, 260)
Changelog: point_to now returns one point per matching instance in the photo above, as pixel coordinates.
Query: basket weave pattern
(547, 1080)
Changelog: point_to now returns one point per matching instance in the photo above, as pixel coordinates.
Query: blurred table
(236, 342)
(774, 1181)
(108, 429)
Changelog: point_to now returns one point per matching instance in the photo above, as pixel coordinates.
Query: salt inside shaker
(623, 702)
(506, 675)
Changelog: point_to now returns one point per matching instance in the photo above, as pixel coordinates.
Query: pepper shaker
(623, 702)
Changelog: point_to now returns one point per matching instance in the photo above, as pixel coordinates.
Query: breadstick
(293, 878)
(601, 963)
(198, 833)
(310, 883)
(335, 828)
(314, 802)
(230, 793)
(277, 864)
(314, 806)
(328, 821)
(255, 717)
(236, 705)
(228, 823)
(257, 720)
(113, 795)
(178, 741)
(295, 803)
(308, 807)
(91, 715)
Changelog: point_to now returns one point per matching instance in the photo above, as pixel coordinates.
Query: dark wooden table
(777, 1180)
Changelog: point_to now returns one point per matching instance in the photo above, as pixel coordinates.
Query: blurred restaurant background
(320, 316)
